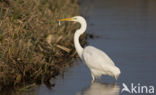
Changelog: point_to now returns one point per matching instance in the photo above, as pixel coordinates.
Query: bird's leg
(93, 78)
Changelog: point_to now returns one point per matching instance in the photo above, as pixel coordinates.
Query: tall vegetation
(33, 47)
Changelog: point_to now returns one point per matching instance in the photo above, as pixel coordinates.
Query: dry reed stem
(26, 54)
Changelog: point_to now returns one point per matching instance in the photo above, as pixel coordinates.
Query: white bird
(97, 61)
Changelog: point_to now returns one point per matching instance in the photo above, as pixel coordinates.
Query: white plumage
(97, 61)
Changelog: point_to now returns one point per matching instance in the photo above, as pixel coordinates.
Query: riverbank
(33, 47)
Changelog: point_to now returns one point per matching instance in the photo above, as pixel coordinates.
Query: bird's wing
(96, 58)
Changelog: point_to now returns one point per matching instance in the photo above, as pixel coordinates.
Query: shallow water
(127, 33)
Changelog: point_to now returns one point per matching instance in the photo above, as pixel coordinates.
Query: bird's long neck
(77, 34)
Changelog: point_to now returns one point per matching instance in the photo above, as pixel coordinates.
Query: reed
(33, 47)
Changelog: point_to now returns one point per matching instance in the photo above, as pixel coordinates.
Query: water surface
(127, 33)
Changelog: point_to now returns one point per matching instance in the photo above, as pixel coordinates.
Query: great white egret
(97, 61)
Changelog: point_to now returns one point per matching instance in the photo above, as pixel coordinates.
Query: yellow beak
(66, 19)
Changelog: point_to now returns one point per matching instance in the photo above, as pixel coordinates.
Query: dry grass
(32, 44)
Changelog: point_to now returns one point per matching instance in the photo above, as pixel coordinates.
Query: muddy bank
(33, 47)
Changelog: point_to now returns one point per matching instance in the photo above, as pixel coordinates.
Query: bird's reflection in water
(98, 88)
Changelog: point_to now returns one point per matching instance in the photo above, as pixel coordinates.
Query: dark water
(127, 33)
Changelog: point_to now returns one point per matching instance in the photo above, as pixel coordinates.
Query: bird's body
(103, 65)
(97, 61)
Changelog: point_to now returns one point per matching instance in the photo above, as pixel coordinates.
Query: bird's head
(75, 19)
